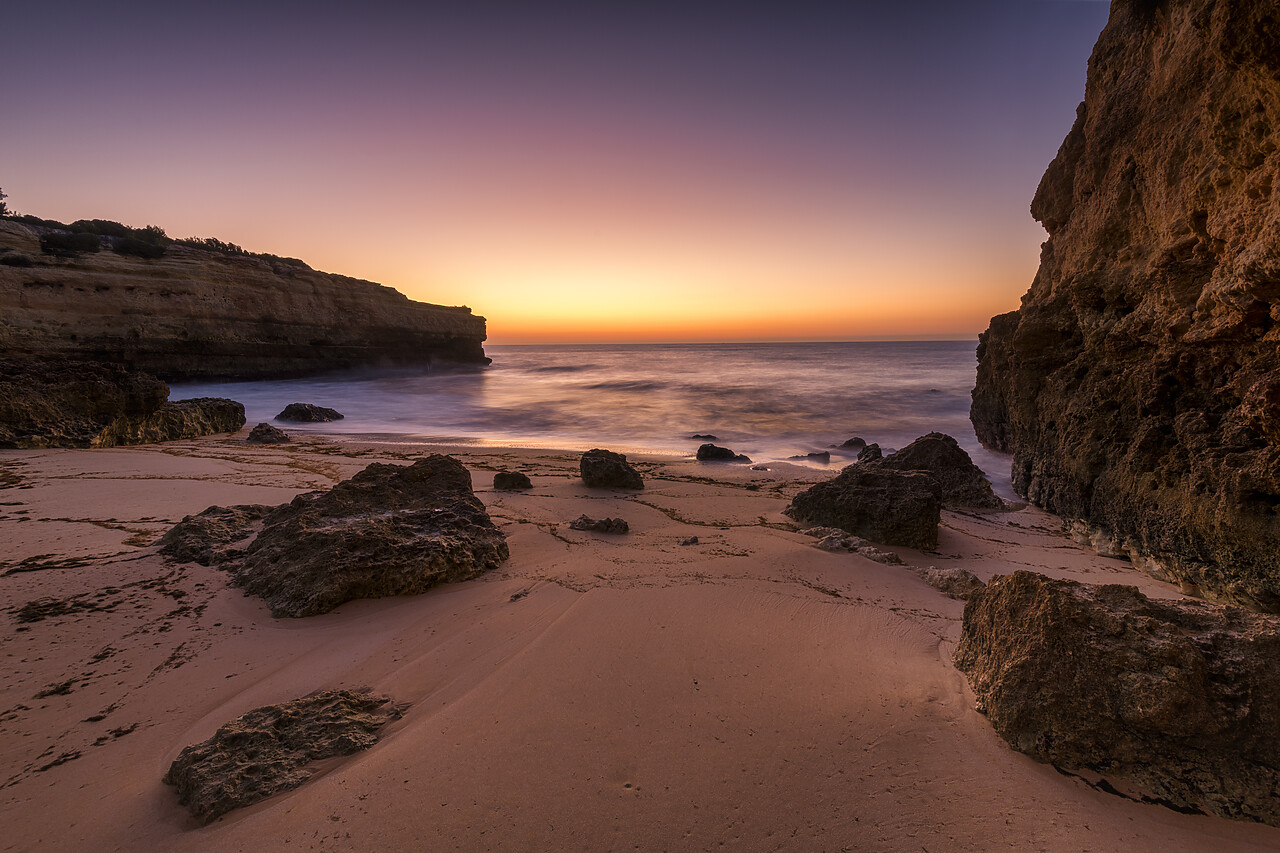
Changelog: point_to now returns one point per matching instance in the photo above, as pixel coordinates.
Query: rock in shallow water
(604, 469)
(1174, 701)
(715, 453)
(308, 413)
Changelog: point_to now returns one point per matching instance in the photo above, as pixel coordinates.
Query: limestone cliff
(200, 314)
(1138, 386)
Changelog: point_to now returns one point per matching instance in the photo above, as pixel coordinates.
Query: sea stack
(1138, 386)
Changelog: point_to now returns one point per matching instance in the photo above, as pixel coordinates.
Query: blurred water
(767, 400)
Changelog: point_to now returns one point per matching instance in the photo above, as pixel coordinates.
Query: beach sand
(596, 692)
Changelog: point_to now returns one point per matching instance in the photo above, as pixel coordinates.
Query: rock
(206, 537)
(389, 530)
(817, 456)
(963, 483)
(838, 541)
(712, 453)
(602, 525)
(511, 480)
(268, 750)
(265, 433)
(57, 403)
(692, 540)
(854, 444)
(1136, 387)
(1172, 701)
(956, 583)
(885, 506)
(870, 453)
(307, 413)
(604, 469)
(698, 436)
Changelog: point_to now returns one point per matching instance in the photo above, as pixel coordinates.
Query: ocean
(769, 401)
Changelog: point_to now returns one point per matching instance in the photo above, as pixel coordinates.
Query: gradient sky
(573, 171)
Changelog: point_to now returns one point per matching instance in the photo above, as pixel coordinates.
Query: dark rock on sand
(601, 525)
(1137, 385)
(265, 433)
(714, 453)
(1173, 701)
(963, 483)
(307, 413)
(885, 506)
(692, 540)
(604, 469)
(206, 538)
(870, 453)
(268, 750)
(511, 481)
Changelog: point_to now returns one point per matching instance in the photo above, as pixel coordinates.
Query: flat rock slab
(1175, 702)
(268, 749)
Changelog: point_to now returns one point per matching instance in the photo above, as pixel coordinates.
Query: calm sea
(767, 400)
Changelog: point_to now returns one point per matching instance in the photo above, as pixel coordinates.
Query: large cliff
(1138, 386)
(202, 314)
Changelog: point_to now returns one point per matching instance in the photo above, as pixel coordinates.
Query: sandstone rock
(604, 469)
(963, 483)
(1137, 386)
(601, 525)
(307, 413)
(955, 582)
(510, 480)
(1172, 701)
(870, 453)
(714, 453)
(885, 506)
(206, 538)
(265, 433)
(178, 419)
(268, 750)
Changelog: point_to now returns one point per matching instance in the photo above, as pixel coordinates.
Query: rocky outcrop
(207, 537)
(309, 413)
(1138, 386)
(604, 469)
(268, 750)
(389, 530)
(963, 484)
(1174, 702)
(885, 506)
(193, 313)
(265, 433)
(57, 403)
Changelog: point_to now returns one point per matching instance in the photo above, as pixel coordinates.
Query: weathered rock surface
(206, 538)
(963, 483)
(870, 453)
(1138, 386)
(265, 433)
(604, 469)
(511, 481)
(885, 506)
(600, 525)
(268, 750)
(954, 582)
(715, 453)
(838, 541)
(57, 403)
(1174, 701)
(389, 530)
(308, 413)
(200, 314)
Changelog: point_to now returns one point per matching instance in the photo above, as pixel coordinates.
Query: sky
(573, 171)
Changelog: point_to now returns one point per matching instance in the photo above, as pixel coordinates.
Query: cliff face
(1138, 386)
(200, 314)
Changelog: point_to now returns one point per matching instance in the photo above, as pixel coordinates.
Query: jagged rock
(308, 413)
(511, 480)
(1173, 701)
(870, 453)
(268, 750)
(57, 403)
(389, 530)
(963, 483)
(604, 469)
(885, 506)
(1137, 386)
(206, 537)
(854, 444)
(838, 541)
(955, 582)
(265, 433)
(713, 453)
(601, 525)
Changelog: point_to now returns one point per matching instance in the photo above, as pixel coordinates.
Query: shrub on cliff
(57, 243)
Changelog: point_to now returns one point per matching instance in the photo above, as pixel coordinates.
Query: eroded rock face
(963, 483)
(1138, 386)
(268, 750)
(206, 538)
(1173, 701)
(885, 506)
(309, 413)
(604, 469)
(389, 530)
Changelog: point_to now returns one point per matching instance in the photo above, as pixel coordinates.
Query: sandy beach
(596, 692)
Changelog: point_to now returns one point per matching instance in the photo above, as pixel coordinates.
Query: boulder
(854, 444)
(604, 469)
(886, 506)
(265, 433)
(511, 480)
(870, 453)
(601, 525)
(269, 749)
(206, 537)
(1174, 702)
(714, 453)
(963, 483)
(307, 413)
